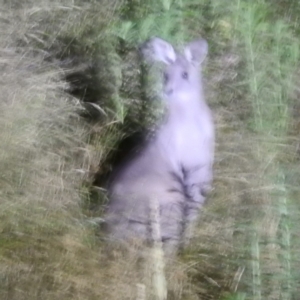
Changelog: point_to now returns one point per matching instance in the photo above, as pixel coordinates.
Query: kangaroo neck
(184, 108)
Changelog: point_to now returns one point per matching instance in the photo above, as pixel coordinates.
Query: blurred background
(73, 102)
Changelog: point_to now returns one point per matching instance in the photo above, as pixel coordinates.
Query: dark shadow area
(93, 80)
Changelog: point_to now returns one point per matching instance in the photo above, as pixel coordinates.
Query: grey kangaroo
(175, 166)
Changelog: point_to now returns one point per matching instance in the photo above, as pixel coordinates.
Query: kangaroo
(175, 166)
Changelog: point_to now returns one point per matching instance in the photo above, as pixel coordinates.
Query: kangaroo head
(181, 75)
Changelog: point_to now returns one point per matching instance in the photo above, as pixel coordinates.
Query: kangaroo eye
(166, 77)
(185, 75)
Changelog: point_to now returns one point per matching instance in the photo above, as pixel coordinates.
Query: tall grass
(43, 145)
(246, 245)
(272, 54)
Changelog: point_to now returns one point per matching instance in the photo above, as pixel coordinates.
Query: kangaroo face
(181, 75)
(180, 79)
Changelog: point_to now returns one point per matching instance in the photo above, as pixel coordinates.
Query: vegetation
(71, 89)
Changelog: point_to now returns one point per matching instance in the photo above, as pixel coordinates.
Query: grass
(71, 90)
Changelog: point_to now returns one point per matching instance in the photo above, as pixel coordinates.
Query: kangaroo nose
(169, 91)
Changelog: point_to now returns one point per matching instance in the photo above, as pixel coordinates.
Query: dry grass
(42, 143)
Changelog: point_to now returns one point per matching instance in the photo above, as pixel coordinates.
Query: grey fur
(175, 166)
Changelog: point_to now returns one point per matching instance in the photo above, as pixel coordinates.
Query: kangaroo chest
(184, 140)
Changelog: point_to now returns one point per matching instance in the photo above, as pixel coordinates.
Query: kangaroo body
(174, 167)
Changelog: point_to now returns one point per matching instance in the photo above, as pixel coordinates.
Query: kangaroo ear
(158, 50)
(196, 51)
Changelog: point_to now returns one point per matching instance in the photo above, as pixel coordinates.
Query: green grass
(53, 143)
